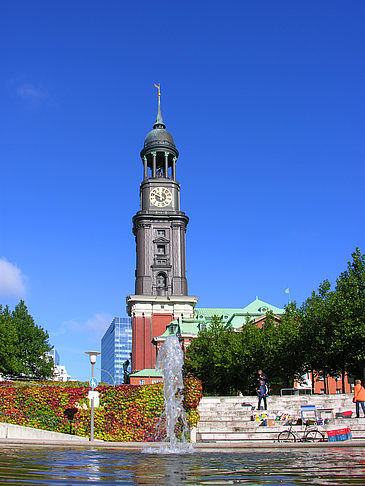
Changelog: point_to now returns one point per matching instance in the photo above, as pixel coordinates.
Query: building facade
(116, 348)
(59, 371)
(188, 329)
(161, 288)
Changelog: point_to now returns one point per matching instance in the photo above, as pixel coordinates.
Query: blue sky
(265, 101)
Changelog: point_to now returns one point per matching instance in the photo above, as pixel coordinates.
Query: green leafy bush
(126, 412)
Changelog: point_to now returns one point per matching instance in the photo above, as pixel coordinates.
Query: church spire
(159, 121)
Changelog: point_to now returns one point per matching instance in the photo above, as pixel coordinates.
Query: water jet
(170, 361)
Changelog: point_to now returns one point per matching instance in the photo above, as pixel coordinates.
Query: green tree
(8, 344)
(273, 348)
(332, 331)
(325, 335)
(349, 317)
(32, 345)
(250, 356)
(227, 362)
(211, 357)
(316, 333)
(286, 361)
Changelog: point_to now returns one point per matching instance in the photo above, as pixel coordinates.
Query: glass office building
(55, 356)
(116, 348)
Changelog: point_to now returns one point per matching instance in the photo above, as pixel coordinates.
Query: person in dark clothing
(262, 392)
(261, 376)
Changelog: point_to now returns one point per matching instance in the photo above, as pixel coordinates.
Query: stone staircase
(224, 419)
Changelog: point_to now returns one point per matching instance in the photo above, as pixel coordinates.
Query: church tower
(161, 289)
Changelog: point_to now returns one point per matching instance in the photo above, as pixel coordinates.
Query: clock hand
(161, 196)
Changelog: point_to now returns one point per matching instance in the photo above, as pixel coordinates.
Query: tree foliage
(227, 361)
(349, 326)
(325, 334)
(23, 345)
(316, 331)
(332, 330)
(210, 358)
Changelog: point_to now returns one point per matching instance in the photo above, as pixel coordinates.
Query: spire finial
(159, 122)
(158, 86)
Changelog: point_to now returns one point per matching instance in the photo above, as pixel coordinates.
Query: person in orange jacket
(359, 397)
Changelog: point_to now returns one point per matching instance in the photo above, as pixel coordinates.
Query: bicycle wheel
(314, 436)
(286, 436)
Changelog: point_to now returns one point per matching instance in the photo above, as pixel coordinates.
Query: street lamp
(111, 376)
(92, 357)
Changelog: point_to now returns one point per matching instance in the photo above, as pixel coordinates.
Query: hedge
(126, 412)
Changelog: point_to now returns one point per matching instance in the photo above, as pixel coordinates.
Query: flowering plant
(126, 412)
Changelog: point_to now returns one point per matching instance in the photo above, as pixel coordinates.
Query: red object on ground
(339, 434)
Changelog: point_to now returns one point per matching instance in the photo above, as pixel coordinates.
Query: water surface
(80, 467)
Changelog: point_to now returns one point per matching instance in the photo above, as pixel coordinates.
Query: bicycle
(311, 434)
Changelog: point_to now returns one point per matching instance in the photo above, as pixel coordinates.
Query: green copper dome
(159, 137)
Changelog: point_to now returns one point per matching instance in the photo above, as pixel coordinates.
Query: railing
(295, 391)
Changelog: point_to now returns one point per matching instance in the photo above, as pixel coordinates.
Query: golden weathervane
(159, 89)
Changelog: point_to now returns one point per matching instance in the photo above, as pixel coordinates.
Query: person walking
(262, 393)
(359, 398)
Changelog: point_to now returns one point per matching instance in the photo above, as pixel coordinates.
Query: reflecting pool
(80, 467)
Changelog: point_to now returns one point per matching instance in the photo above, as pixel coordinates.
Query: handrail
(296, 391)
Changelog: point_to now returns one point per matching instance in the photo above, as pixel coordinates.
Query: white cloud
(12, 281)
(96, 325)
(32, 93)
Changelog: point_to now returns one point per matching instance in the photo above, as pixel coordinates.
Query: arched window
(161, 283)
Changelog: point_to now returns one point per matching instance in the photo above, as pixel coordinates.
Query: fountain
(170, 361)
(172, 464)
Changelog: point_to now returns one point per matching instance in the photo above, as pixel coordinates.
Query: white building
(59, 372)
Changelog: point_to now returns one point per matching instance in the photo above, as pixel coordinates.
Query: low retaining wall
(10, 431)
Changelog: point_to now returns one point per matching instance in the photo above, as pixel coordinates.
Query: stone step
(258, 427)
(358, 423)
(242, 414)
(302, 398)
(226, 416)
(272, 408)
(267, 433)
(225, 419)
(275, 403)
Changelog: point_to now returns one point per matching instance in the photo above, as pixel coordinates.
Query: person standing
(359, 397)
(261, 376)
(262, 393)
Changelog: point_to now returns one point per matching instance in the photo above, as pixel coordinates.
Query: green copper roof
(231, 317)
(225, 314)
(256, 308)
(184, 326)
(259, 307)
(237, 317)
(148, 372)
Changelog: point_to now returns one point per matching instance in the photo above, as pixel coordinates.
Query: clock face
(160, 197)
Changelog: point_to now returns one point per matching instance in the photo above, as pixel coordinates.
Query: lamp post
(111, 376)
(92, 357)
